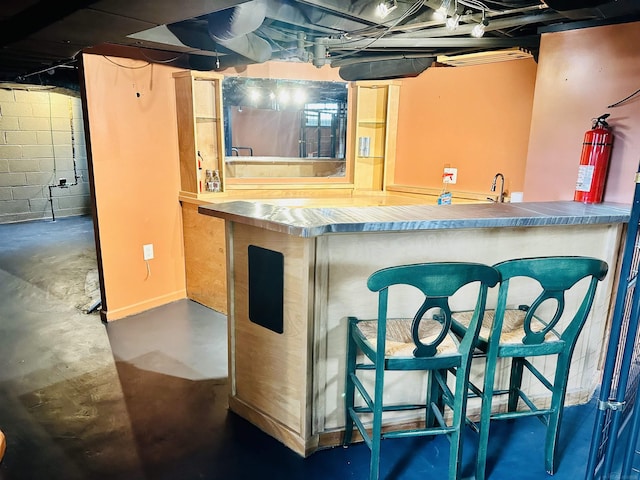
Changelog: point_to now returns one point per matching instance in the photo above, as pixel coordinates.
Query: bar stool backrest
(556, 275)
(438, 282)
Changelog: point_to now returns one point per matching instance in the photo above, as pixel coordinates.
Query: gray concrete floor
(146, 397)
(80, 399)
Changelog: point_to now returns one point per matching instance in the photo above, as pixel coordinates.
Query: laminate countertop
(316, 221)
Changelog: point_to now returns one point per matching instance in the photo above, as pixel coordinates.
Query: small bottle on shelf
(216, 184)
(208, 181)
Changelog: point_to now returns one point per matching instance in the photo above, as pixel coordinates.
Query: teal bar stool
(423, 342)
(531, 320)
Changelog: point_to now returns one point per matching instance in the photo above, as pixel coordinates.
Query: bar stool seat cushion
(399, 342)
(512, 326)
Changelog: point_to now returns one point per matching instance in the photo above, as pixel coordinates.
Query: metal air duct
(385, 69)
(233, 29)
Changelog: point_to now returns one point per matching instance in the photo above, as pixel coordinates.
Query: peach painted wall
(134, 150)
(473, 118)
(580, 73)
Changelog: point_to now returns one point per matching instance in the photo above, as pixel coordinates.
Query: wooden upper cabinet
(374, 133)
(200, 132)
(371, 146)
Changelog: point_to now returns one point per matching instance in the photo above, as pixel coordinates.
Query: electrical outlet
(147, 251)
(450, 175)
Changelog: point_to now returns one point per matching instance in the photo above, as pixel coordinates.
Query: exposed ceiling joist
(211, 34)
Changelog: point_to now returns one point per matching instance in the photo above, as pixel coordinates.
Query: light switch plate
(147, 251)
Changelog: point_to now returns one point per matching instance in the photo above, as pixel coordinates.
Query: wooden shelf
(200, 133)
(374, 132)
(372, 122)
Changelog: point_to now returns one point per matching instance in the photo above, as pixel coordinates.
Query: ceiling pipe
(443, 38)
(320, 52)
(448, 42)
(494, 24)
(348, 15)
(419, 26)
(302, 14)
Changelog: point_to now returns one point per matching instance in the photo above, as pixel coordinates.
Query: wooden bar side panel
(205, 258)
(272, 371)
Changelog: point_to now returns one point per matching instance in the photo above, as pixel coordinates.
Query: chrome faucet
(493, 186)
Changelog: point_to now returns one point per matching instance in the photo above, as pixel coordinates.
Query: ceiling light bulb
(478, 30)
(453, 22)
(386, 7)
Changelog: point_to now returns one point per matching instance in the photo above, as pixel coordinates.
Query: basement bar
(286, 366)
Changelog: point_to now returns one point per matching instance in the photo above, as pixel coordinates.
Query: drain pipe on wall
(62, 182)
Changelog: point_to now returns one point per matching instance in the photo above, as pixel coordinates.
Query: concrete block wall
(41, 133)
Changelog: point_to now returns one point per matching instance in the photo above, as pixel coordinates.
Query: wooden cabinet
(374, 133)
(200, 131)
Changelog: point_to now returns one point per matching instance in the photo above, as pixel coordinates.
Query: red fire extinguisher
(596, 152)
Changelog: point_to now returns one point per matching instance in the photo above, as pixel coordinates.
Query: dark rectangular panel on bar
(266, 288)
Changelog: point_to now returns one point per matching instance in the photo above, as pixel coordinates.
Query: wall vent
(481, 58)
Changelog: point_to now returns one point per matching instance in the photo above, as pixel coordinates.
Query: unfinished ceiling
(353, 36)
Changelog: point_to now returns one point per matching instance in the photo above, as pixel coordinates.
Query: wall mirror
(284, 128)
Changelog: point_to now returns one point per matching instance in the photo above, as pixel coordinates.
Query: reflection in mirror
(284, 128)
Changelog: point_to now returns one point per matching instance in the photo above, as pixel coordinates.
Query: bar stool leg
(376, 435)
(555, 417)
(515, 383)
(485, 421)
(349, 394)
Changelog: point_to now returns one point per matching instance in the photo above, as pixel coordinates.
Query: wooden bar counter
(299, 271)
